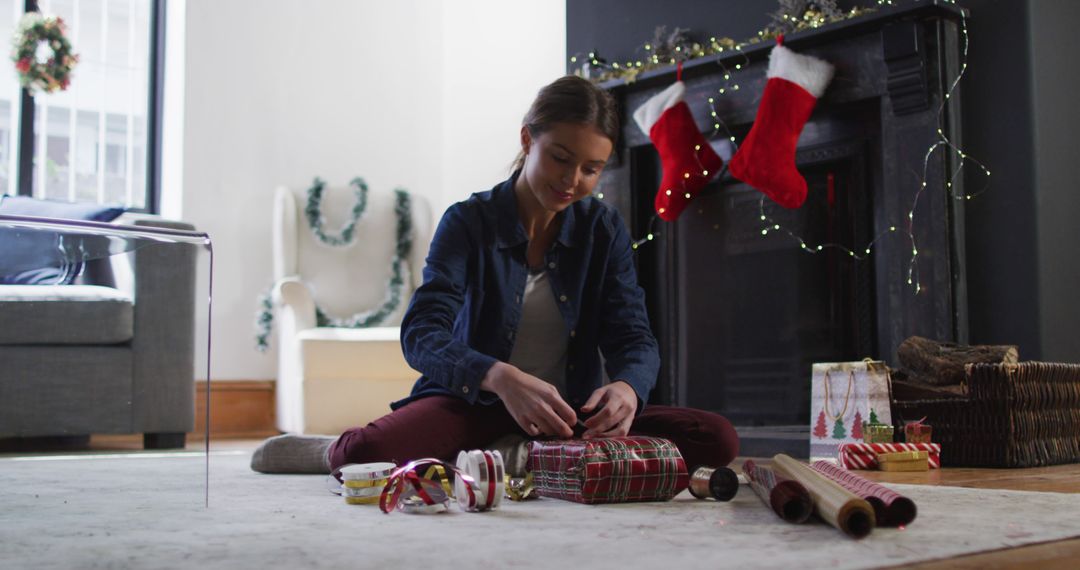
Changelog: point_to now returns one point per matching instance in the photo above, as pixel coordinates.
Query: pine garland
(392, 299)
(313, 211)
(264, 317)
(667, 49)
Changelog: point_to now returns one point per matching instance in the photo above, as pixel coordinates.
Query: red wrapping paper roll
(788, 499)
(890, 507)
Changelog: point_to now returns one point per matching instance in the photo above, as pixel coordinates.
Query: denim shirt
(465, 316)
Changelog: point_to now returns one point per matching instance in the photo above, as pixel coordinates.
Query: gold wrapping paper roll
(833, 503)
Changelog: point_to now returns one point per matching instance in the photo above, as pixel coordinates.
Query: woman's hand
(534, 404)
(619, 402)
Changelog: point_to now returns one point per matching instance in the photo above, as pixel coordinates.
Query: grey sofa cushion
(64, 314)
(65, 390)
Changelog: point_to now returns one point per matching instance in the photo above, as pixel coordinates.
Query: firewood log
(942, 363)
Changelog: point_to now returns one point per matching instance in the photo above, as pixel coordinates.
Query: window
(98, 141)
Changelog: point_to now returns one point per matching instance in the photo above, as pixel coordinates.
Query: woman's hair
(571, 99)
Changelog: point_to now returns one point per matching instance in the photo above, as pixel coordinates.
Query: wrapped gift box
(877, 433)
(917, 432)
(904, 461)
(608, 470)
(865, 455)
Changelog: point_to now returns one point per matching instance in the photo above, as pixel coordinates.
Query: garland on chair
(264, 317)
(313, 211)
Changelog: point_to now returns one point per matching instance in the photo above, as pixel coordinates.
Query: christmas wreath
(42, 53)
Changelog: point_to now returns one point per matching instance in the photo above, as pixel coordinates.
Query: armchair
(333, 378)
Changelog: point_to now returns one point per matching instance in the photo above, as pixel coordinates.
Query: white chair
(331, 379)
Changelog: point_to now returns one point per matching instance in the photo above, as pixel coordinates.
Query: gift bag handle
(847, 396)
(870, 364)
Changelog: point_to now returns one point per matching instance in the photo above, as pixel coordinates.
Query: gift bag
(843, 395)
(608, 470)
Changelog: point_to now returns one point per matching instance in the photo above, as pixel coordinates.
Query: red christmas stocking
(766, 159)
(687, 160)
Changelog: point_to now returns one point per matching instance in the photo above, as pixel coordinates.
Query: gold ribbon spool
(360, 484)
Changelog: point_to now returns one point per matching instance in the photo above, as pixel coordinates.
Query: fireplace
(741, 316)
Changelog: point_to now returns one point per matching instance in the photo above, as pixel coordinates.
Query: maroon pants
(440, 426)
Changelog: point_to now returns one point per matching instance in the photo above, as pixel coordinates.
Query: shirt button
(510, 335)
(517, 298)
(562, 298)
(573, 333)
(465, 389)
(551, 265)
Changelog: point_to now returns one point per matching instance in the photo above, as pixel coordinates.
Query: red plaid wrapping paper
(864, 455)
(608, 470)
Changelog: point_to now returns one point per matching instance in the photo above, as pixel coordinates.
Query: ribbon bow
(407, 490)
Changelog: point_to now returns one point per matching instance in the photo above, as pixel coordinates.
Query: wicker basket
(1015, 415)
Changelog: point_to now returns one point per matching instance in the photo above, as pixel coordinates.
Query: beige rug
(147, 512)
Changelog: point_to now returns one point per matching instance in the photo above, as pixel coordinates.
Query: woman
(525, 286)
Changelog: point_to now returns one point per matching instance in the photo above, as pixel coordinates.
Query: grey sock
(515, 453)
(292, 453)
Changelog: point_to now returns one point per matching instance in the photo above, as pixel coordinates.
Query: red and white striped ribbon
(478, 483)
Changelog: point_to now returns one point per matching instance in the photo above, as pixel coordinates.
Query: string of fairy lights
(942, 142)
(679, 50)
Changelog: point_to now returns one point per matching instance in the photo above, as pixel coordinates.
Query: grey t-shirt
(540, 347)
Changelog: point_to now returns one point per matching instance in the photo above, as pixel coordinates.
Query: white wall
(418, 93)
(496, 56)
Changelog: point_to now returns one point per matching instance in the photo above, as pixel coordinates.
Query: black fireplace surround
(740, 316)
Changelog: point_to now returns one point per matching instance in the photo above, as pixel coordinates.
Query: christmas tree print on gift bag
(842, 394)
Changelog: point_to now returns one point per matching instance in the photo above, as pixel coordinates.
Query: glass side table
(98, 335)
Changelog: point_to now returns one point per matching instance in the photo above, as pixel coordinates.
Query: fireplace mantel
(876, 121)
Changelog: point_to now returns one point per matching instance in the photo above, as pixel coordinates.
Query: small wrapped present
(917, 432)
(608, 470)
(877, 433)
(904, 461)
(865, 455)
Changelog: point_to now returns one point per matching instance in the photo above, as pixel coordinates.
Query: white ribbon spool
(487, 469)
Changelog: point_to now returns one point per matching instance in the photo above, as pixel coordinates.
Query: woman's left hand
(618, 403)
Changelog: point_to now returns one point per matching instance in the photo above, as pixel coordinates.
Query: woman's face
(563, 164)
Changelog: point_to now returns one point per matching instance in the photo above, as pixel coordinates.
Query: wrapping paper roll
(890, 507)
(787, 498)
(834, 504)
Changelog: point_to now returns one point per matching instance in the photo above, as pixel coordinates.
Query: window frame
(155, 105)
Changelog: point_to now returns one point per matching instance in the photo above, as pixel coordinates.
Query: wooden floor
(1064, 554)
